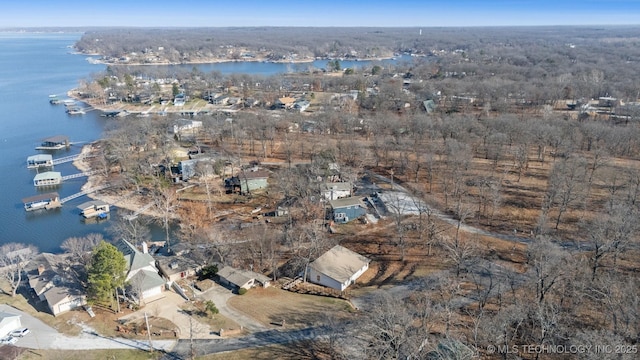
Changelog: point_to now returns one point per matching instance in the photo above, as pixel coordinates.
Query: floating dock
(40, 160)
(54, 143)
(42, 201)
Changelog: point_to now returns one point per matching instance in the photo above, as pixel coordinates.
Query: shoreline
(121, 201)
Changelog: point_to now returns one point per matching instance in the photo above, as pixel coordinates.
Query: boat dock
(57, 142)
(42, 201)
(53, 178)
(40, 160)
(94, 208)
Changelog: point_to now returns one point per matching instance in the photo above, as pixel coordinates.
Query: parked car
(8, 340)
(20, 332)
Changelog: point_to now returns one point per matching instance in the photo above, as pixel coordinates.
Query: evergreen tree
(106, 272)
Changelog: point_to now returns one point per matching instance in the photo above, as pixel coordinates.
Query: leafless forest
(522, 142)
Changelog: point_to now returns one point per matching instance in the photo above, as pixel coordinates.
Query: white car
(20, 332)
(8, 340)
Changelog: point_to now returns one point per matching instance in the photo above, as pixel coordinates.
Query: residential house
(142, 274)
(301, 105)
(337, 268)
(285, 103)
(174, 268)
(247, 181)
(241, 279)
(186, 127)
(336, 190)
(179, 100)
(50, 277)
(347, 209)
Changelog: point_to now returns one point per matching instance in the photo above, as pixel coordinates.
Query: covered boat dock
(48, 178)
(54, 143)
(42, 201)
(40, 160)
(95, 208)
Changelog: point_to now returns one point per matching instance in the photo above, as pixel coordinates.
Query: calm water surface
(32, 67)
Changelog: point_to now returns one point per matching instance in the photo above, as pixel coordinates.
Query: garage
(8, 323)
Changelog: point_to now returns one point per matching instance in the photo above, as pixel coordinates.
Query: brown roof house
(174, 268)
(241, 279)
(337, 268)
(50, 277)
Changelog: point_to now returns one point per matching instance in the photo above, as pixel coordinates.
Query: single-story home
(337, 268)
(347, 209)
(241, 279)
(174, 268)
(49, 278)
(8, 323)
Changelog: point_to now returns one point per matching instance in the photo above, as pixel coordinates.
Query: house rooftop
(47, 175)
(339, 263)
(338, 186)
(134, 257)
(346, 202)
(146, 279)
(240, 277)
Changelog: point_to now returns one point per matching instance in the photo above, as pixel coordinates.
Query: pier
(82, 193)
(139, 211)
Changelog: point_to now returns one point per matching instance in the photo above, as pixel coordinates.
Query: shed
(337, 268)
(8, 323)
(347, 209)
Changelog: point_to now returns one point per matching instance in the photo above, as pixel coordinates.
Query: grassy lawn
(119, 354)
(271, 305)
(293, 351)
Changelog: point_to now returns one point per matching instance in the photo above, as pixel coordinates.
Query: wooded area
(522, 143)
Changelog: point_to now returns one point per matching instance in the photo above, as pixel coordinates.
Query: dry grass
(119, 354)
(271, 305)
(217, 321)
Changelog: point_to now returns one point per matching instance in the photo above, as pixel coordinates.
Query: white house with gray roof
(337, 268)
(142, 275)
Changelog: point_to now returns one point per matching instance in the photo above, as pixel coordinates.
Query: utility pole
(146, 320)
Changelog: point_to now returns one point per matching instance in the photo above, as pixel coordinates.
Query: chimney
(40, 269)
(145, 248)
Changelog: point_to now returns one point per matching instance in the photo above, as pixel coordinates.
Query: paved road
(263, 338)
(43, 337)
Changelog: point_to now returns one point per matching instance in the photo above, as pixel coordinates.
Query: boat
(75, 110)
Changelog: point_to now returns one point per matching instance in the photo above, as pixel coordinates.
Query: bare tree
(81, 247)
(14, 257)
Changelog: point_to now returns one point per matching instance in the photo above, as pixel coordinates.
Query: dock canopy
(54, 142)
(42, 201)
(93, 208)
(47, 178)
(40, 160)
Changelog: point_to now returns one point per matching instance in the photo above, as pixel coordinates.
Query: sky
(376, 13)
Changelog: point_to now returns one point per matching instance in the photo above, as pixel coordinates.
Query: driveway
(43, 336)
(168, 306)
(220, 296)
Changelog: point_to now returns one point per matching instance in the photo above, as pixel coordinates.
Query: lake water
(32, 67)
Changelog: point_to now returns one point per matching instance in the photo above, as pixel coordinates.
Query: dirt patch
(271, 306)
